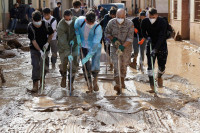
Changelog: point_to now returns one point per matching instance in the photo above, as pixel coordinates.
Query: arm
(129, 39)
(62, 36)
(32, 38)
(108, 31)
(50, 33)
(144, 29)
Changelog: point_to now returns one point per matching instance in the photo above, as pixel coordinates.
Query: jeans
(13, 24)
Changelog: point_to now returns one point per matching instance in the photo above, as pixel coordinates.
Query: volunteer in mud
(142, 41)
(76, 10)
(66, 41)
(53, 44)
(120, 30)
(104, 23)
(89, 34)
(154, 30)
(38, 31)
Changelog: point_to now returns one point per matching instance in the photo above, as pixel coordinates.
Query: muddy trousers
(136, 48)
(37, 64)
(54, 50)
(161, 57)
(88, 65)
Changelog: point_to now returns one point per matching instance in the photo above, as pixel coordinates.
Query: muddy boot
(160, 80)
(2, 76)
(151, 85)
(96, 87)
(111, 67)
(133, 64)
(53, 66)
(117, 86)
(35, 86)
(123, 83)
(90, 89)
(63, 82)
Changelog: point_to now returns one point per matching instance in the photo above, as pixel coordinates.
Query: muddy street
(177, 109)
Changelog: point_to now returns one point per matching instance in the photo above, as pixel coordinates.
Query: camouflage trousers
(124, 60)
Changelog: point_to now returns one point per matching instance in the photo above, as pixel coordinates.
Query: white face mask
(39, 23)
(76, 9)
(68, 22)
(89, 26)
(152, 20)
(120, 20)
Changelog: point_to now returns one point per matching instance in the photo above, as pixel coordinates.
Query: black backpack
(169, 31)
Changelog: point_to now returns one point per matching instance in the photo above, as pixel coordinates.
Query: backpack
(94, 28)
(52, 20)
(169, 31)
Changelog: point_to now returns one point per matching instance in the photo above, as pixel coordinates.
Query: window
(197, 10)
(175, 9)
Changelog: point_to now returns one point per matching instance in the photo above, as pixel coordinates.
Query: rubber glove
(79, 39)
(70, 58)
(86, 59)
(71, 43)
(121, 47)
(153, 53)
(114, 40)
(46, 46)
(141, 42)
(42, 54)
(136, 31)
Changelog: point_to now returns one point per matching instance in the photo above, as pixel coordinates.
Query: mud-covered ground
(177, 109)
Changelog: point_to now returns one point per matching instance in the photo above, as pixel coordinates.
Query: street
(177, 109)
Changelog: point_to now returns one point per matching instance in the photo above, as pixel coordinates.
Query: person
(66, 41)
(89, 34)
(96, 12)
(53, 44)
(103, 23)
(38, 31)
(120, 31)
(154, 30)
(138, 33)
(76, 10)
(29, 12)
(103, 12)
(14, 15)
(56, 12)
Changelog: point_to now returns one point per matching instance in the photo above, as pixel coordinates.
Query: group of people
(79, 37)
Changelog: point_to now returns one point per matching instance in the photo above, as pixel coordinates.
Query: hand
(141, 42)
(114, 40)
(70, 58)
(79, 39)
(42, 54)
(121, 47)
(136, 31)
(46, 46)
(71, 43)
(153, 53)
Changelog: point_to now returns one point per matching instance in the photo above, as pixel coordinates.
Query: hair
(153, 11)
(113, 11)
(76, 3)
(84, 4)
(16, 4)
(67, 12)
(30, 3)
(90, 16)
(46, 11)
(143, 13)
(36, 16)
(59, 3)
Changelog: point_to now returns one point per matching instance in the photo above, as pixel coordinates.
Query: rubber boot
(35, 86)
(151, 85)
(72, 83)
(95, 85)
(160, 80)
(63, 82)
(123, 83)
(111, 67)
(117, 85)
(134, 64)
(2, 76)
(90, 89)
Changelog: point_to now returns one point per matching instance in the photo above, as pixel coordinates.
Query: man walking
(53, 44)
(14, 15)
(38, 31)
(76, 10)
(29, 12)
(89, 34)
(67, 41)
(120, 31)
(154, 29)
(56, 12)
(142, 43)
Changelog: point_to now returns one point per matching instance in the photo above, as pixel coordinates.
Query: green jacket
(65, 34)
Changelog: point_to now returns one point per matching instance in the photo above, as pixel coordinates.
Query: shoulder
(128, 22)
(112, 21)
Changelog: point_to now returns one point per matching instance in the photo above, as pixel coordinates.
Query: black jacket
(157, 33)
(105, 21)
(14, 13)
(56, 14)
(137, 24)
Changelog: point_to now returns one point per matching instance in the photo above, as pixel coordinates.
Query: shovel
(43, 72)
(140, 50)
(70, 75)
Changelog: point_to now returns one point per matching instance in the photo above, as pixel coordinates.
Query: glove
(141, 42)
(46, 46)
(121, 47)
(70, 58)
(71, 43)
(79, 39)
(136, 31)
(42, 54)
(153, 53)
(86, 59)
(114, 40)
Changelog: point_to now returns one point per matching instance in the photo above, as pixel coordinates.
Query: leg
(136, 49)
(53, 45)
(15, 24)
(11, 25)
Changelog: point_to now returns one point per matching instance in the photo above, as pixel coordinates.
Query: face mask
(152, 20)
(37, 23)
(76, 9)
(68, 22)
(90, 26)
(120, 20)
(30, 5)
